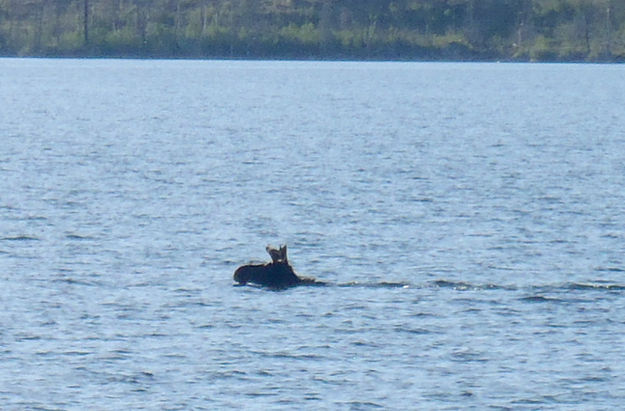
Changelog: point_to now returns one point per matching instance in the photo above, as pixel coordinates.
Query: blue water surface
(469, 219)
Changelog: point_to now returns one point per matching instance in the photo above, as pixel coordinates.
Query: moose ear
(274, 253)
(283, 253)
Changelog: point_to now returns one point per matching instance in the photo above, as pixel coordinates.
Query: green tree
(465, 29)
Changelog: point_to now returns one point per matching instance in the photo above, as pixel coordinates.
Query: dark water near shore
(469, 219)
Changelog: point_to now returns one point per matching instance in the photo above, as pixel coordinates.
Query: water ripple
(20, 238)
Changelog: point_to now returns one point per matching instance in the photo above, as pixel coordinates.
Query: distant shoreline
(563, 31)
(304, 59)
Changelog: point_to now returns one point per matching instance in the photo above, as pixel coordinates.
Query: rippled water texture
(469, 219)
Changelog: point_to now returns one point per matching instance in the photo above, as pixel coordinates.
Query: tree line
(518, 30)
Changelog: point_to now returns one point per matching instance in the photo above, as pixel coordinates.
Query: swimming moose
(278, 274)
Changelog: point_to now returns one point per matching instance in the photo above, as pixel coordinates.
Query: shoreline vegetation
(449, 30)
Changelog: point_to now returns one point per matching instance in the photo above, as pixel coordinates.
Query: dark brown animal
(277, 274)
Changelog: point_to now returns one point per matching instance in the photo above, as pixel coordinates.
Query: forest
(503, 30)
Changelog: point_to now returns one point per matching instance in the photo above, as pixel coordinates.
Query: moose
(278, 274)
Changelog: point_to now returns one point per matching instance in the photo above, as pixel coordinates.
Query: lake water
(469, 219)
